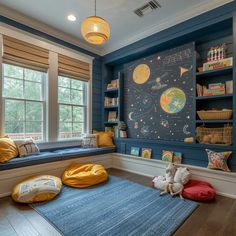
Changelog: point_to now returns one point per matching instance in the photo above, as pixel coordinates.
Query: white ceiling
(126, 27)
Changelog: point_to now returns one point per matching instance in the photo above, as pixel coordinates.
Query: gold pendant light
(95, 29)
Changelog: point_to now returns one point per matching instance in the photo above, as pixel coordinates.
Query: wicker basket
(215, 115)
(221, 135)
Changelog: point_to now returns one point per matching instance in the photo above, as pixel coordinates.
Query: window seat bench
(53, 155)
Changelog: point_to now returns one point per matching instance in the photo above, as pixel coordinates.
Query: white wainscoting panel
(223, 182)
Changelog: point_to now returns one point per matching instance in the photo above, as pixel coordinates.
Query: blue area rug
(118, 207)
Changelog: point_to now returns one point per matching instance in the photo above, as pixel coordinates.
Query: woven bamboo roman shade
(20, 53)
(73, 68)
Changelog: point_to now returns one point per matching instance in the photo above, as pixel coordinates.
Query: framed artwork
(167, 156)
(135, 151)
(146, 153)
(177, 158)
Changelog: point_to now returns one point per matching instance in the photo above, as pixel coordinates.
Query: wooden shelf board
(213, 121)
(214, 97)
(217, 72)
(111, 90)
(111, 107)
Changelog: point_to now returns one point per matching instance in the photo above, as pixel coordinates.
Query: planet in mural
(173, 100)
(141, 74)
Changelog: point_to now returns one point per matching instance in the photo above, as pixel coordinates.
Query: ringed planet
(141, 74)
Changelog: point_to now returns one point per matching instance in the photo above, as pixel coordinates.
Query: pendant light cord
(95, 7)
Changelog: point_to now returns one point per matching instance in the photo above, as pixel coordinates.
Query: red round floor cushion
(198, 191)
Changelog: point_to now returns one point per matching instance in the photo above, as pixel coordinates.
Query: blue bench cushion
(54, 155)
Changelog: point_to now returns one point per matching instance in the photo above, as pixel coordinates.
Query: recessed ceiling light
(71, 17)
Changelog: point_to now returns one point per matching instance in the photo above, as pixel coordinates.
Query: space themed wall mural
(159, 95)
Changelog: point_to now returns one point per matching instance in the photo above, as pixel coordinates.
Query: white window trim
(52, 122)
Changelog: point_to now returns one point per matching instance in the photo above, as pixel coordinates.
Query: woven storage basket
(215, 115)
(221, 135)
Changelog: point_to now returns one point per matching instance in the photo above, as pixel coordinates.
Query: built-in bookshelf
(113, 104)
(214, 95)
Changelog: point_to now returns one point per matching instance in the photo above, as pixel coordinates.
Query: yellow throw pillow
(105, 139)
(8, 149)
(37, 189)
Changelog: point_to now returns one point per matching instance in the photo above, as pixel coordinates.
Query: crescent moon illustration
(130, 114)
(185, 130)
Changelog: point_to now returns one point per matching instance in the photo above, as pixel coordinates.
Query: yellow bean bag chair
(37, 189)
(84, 175)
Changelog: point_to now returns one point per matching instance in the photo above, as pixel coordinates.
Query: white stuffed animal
(174, 180)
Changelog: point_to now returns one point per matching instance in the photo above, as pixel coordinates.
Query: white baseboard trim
(223, 182)
(9, 178)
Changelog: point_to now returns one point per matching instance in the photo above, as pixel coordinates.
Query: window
(72, 107)
(23, 102)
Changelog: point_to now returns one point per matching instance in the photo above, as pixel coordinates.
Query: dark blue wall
(205, 29)
(97, 69)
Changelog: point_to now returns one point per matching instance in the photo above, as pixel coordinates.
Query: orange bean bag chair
(84, 175)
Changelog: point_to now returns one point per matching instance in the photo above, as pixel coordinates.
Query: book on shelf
(123, 134)
(211, 89)
(114, 84)
(218, 64)
(112, 116)
(229, 87)
(111, 101)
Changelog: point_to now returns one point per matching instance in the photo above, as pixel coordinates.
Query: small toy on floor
(174, 180)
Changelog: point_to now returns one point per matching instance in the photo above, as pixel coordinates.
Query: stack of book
(113, 85)
(211, 90)
(112, 116)
(111, 101)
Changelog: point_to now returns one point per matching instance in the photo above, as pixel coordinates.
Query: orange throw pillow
(8, 149)
(105, 139)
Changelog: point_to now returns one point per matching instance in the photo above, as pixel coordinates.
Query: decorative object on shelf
(213, 65)
(211, 90)
(229, 87)
(113, 85)
(218, 160)
(108, 101)
(167, 156)
(122, 128)
(222, 135)
(146, 153)
(177, 158)
(95, 29)
(224, 114)
(189, 140)
(135, 151)
(200, 69)
(217, 53)
(112, 116)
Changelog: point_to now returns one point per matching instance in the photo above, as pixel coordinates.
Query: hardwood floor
(216, 218)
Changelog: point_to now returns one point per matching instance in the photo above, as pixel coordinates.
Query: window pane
(15, 129)
(76, 84)
(64, 95)
(13, 71)
(34, 111)
(13, 88)
(65, 113)
(78, 114)
(33, 91)
(64, 82)
(78, 129)
(14, 110)
(65, 130)
(77, 97)
(34, 130)
(32, 75)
